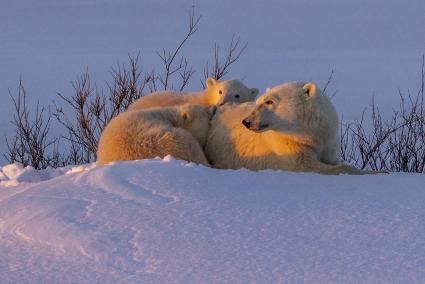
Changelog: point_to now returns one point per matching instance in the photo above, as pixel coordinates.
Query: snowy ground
(165, 221)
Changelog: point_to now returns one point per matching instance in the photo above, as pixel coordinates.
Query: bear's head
(291, 108)
(230, 91)
(196, 119)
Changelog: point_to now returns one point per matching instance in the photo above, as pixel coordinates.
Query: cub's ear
(212, 110)
(310, 89)
(254, 92)
(210, 82)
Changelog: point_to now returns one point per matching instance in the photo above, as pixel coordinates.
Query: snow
(13, 174)
(167, 221)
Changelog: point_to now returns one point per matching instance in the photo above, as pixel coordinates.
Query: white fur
(293, 126)
(216, 93)
(179, 131)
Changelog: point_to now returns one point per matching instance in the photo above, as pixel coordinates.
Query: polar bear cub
(293, 126)
(179, 131)
(215, 93)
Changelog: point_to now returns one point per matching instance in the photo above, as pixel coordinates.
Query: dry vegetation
(395, 144)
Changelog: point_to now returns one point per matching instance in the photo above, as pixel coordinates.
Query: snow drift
(166, 221)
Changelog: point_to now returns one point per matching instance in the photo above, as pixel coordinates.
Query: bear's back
(165, 99)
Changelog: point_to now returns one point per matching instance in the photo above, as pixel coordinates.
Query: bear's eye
(269, 102)
(220, 92)
(237, 96)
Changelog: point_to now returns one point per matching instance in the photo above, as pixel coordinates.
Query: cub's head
(231, 91)
(196, 120)
(287, 108)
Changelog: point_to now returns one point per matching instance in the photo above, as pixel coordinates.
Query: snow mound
(14, 174)
(166, 221)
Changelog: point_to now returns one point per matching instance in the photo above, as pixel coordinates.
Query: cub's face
(281, 108)
(196, 120)
(231, 91)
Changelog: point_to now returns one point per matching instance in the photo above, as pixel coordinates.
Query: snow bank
(165, 221)
(14, 174)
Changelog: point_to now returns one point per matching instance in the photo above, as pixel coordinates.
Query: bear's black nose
(247, 123)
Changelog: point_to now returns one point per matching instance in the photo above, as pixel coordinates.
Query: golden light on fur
(215, 93)
(179, 131)
(293, 132)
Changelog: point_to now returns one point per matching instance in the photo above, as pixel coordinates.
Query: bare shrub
(394, 144)
(220, 67)
(31, 144)
(366, 146)
(92, 109)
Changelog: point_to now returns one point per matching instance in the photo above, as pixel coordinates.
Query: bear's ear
(210, 82)
(310, 89)
(254, 92)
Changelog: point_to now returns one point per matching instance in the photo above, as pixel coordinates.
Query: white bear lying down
(216, 93)
(291, 127)
(180, 131)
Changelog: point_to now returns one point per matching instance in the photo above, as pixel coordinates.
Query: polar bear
(293, 127)
(179, 131)
(215, 93)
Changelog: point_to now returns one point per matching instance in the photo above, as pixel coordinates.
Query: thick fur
(216, 93)
(291, 127)
(179, 131)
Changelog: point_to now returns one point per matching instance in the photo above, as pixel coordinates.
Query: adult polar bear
(215, 93)
(180, 131)
(292, 127)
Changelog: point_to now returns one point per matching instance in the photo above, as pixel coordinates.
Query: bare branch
(220, 69)
(168, 59)
(31, 141)
(328, 82)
